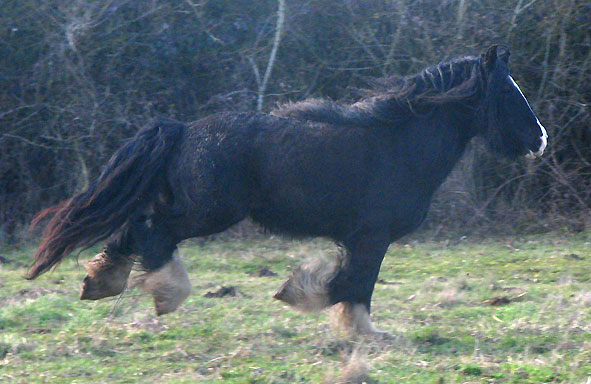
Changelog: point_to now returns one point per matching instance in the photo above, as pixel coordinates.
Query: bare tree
(264, 81)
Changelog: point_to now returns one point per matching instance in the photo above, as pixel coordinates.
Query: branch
(278, 32)
(460, 18)
(255, 69)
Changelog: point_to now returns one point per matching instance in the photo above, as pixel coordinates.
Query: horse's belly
(303, 214)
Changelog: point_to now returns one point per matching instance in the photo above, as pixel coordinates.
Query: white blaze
(544, 134)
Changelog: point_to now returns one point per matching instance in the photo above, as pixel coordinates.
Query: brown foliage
(76, 78)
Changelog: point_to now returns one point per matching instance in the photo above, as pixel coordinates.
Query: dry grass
(432, 299)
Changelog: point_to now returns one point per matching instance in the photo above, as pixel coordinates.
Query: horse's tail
(128, 183)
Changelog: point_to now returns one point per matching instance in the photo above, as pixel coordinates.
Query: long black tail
(127, 183)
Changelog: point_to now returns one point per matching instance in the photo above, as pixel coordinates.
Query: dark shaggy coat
(361, 174)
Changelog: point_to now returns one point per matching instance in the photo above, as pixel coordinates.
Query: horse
(360, 174)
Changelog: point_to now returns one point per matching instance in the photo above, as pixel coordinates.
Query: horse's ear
(504, 55)
(489, 58)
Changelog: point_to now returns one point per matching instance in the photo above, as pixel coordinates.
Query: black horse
(362, 175)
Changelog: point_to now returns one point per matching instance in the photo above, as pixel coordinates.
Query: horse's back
(311, 177)
(289, 175)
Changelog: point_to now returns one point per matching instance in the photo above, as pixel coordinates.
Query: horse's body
(362, 175)
(307, 178)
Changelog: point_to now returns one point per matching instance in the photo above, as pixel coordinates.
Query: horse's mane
(395, 99)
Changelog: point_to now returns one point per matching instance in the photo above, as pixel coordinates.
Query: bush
(78, 77)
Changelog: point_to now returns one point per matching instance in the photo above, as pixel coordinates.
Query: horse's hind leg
(165, 278)
(149, 240)
(169, 285)
(108, 271)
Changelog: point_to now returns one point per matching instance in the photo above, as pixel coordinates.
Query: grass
(504, 310)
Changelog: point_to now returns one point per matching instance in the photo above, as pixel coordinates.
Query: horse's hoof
(95, 290)
(380, 335)
(106, 276)
(306, 289)
(169, 286)
(353, 319)
(284, 293)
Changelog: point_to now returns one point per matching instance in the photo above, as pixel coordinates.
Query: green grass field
(504, 310)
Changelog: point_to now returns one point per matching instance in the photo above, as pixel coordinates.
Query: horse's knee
(308, 287)
(354, 283)
(351, 286)
(169, 285)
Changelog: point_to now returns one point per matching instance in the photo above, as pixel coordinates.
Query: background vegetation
(78, 77)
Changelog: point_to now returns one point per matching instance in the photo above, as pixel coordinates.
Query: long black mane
(395, 99)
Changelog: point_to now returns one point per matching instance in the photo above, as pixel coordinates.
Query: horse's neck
(434, 144)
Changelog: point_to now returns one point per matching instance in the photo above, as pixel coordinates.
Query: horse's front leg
(349, 283)
(353, 285)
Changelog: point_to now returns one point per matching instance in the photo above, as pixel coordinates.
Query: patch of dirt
(223, 291)
(574, 256)
(498, 300)
(34, 293)
(502, 300)
(27, 294)
(382, 281)
(38, 331)
(265, 272)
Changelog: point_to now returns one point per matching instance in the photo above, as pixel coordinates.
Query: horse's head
(509, 124)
